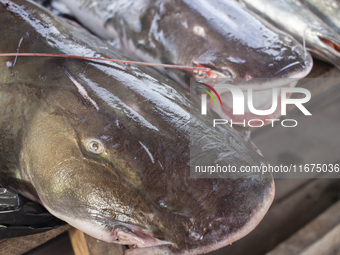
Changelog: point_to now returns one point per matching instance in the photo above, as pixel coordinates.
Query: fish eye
(95, 146)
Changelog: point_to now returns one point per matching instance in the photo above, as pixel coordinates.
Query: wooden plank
(336, 251)
(20, 245)
(319, 237)
(326, 244)
(60, 245)
(78, 242)
(286, 217)
(86, 245)
(286, 187)
(97, 247)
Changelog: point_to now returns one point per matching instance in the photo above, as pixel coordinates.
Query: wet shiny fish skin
(327, 10)
(218, 34)
(105, 147)
(296, 19)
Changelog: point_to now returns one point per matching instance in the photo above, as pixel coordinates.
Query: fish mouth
(129, 234)
(120, 233)
(330, 49)
(211, 74)
(330, 43)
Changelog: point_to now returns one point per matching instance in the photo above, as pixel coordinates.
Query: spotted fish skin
(221, 35)
(106, 146)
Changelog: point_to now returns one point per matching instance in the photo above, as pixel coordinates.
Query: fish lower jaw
(129, 234)
(123, 233)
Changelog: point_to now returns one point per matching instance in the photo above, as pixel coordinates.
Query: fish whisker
(288, 66)
(304, 43)
(16, 57)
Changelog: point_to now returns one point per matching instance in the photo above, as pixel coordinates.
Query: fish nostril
(248, 77)
(287, 39)
(198, 30)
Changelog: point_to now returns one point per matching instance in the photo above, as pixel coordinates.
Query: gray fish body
(327, 10)
(296, 19)
(106, 147)
(221, 35)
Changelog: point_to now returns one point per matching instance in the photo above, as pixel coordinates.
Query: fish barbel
(221, 35)
(295, 18)
(327, 10)
(107, 147)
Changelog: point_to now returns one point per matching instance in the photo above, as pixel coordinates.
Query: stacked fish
(107, 147)
(224, 36)
(221, 35)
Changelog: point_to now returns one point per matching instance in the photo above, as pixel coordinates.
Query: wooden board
(20, 245)
(85, 245)
(336, 251)
(319, 237)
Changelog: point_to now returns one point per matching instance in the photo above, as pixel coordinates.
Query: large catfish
(295, 18)
(219, 34)
(106, 147)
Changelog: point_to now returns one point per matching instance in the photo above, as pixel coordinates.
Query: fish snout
(292, 61)
(220, 213)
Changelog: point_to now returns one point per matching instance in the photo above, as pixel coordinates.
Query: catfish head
(229, 39)
(116, 164)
